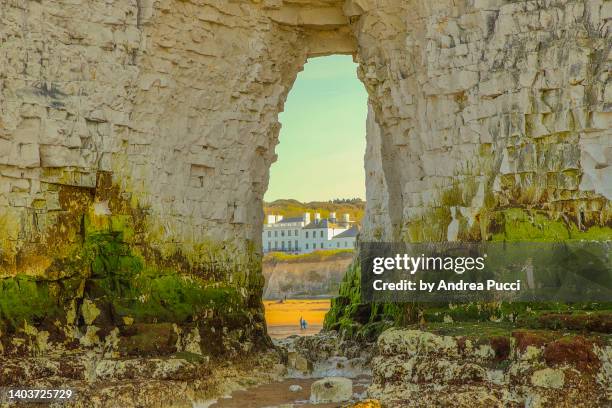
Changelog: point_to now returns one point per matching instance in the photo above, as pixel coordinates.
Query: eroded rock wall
(135, 143)
(494, 114)
(136, 139)
(488, 120)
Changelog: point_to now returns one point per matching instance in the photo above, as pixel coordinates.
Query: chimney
(332, 216)
(317, 218)
(306, 218)
(271, 219)
(346, 219)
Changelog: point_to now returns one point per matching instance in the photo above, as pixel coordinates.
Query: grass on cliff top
(294, 208)
(316, 256)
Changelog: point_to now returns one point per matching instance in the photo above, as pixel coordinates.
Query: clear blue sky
(322, 140)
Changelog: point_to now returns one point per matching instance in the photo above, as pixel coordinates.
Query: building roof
(324, 223)
(314, 224)
(349, 233)
(293, 219)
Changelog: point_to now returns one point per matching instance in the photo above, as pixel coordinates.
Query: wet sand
(269, 395)
(283, 319)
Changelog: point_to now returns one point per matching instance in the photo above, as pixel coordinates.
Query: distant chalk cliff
(304, 278)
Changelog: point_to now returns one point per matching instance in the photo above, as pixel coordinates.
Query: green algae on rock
(352, 316)
(105, 271)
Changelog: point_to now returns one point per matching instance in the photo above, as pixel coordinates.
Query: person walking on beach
(301, 323)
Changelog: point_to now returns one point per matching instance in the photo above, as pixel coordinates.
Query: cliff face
(483, 106)
(136, 140)
(304, 279)
(488, 120)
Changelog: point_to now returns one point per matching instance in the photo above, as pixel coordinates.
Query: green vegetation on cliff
(315, 256)
(355, 318)
(516, 224)
(122, 284)
(106, 270)
(24, 298)
(294, 208)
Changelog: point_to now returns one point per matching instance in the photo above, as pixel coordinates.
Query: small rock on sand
(295, 388)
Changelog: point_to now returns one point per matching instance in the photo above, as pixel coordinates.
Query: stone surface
(325, 355)
(331, 389)
(298, 362)
(418, 368)
(548, 378)
(473, 114)
(105, 381)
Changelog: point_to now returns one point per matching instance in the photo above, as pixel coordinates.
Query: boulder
(331, 389)
(298, 362)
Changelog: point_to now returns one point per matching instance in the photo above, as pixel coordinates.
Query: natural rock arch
(135, 142)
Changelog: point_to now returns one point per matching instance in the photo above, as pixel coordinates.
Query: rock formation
(331, 389)
(483, 107)
(417, 369)
(136, 139)
(304, 278)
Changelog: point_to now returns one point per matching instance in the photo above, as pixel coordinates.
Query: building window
(296, 233)
(345, 244)
(275, 244)
(269, 234)
(306, 246)
(321, 234)
(289, 245)
(321, 245)
(296, 244)
(283, 245)
(269, 245)
(337, 244)
(275, 234)
(306, 234)
(289, 233)
(282, 233)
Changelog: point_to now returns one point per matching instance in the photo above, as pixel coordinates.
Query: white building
(299, 235)
(345, 240)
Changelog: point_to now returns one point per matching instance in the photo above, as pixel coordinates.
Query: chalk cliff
(304, 279)
(136, 139)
